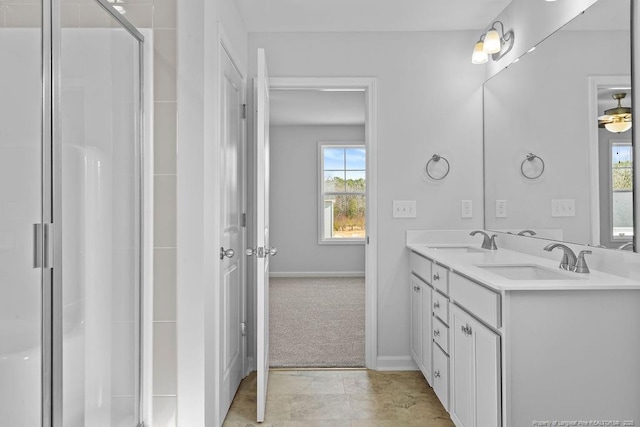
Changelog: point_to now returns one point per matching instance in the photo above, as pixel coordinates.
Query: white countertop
(466, 263)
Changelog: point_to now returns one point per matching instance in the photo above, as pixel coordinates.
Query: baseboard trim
(396, 363)
(276, 274)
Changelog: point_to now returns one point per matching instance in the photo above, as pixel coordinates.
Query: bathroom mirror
(548, 166)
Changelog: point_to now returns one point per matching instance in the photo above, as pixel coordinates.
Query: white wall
(197, 195)
(540, 105)
(294, 202)
(429, 101)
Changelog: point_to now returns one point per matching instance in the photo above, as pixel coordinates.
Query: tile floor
(340, 398)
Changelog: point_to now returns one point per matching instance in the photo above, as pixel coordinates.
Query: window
(342, 215)
(622, 190)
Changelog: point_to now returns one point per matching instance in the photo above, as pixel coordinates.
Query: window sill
(342, 242)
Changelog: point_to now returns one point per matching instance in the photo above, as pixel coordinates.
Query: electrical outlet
(466, 209)
(404, 208)
(501, 208)
(563, 207)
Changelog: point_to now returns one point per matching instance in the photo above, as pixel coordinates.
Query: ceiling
(368, 15)
(315, 107)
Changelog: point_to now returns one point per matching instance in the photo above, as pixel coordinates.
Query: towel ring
(530, 158)
(436, 158)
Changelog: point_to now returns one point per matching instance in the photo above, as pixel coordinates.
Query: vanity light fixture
(618, 119)
(493, 42)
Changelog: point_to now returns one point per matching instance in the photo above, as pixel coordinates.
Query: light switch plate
(404, 208)
(563, 207)
(466, 209)
(501, 208)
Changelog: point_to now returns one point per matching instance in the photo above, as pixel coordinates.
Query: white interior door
(262, 250)
(231, 292)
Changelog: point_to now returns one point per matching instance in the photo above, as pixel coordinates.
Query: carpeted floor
(316, 322)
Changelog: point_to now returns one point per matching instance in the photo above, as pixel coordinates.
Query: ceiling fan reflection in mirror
(618, 119)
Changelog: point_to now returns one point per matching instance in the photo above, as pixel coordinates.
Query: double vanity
(507, 338)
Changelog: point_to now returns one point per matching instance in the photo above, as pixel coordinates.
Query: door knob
(229, 253)
(272, 251)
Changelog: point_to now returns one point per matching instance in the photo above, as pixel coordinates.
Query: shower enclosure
(70, 215)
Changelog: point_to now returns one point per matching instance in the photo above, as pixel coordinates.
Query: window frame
(612, 142)
(320, 194)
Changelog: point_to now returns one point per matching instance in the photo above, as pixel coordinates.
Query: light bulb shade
(478, 56)
(492, 41)
(617, 126)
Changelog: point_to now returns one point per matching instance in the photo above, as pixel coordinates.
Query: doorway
(323, 128)
(611, 154)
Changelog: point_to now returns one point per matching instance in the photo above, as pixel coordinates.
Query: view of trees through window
(343, 192)
(622, 189)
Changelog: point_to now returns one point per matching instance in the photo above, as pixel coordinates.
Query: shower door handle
(43, 245)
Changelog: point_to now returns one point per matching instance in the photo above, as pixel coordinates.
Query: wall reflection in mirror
(558, 152)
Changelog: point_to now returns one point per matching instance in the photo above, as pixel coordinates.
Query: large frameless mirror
(555, 163)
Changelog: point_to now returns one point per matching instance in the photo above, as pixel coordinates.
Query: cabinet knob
(436, 304)
(436, 374)
(466, 329)
(436, 276)
(436, 332)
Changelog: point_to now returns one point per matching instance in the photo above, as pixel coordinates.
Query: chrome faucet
(627, 245)
(488, 242)
(529, 232)
(581, 265)
(569, 259)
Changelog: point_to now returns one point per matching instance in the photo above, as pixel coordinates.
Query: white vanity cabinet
(430, 328)
(421, 325)
(516, 352)
(475, 372)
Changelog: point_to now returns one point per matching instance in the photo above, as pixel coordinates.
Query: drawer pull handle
(436, 304)
(436, 374)
(436, 332)
(436, 276)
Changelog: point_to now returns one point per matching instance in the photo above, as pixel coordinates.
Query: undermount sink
(468, 249)
(526, 272)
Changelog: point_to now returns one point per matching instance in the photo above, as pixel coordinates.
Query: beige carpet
(316, 322)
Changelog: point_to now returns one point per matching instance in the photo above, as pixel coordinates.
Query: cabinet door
(487, 375)
(427, 342)
(462, 389)
(416, 322)
(475, 372)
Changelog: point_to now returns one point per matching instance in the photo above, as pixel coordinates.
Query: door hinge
(243, 111)
(243, 329)
(43, 245)
(243, 220)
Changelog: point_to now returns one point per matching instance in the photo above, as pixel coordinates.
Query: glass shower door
(100, 215)
(21, 206)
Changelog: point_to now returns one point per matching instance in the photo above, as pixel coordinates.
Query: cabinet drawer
(420, 266)
(440, 334)
(482, 302)
(440, 278)
(440, 307)
(441, 376)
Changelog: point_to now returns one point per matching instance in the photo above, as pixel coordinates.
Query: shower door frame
(49, 246)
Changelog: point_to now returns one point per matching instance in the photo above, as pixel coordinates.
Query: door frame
(369, 85)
